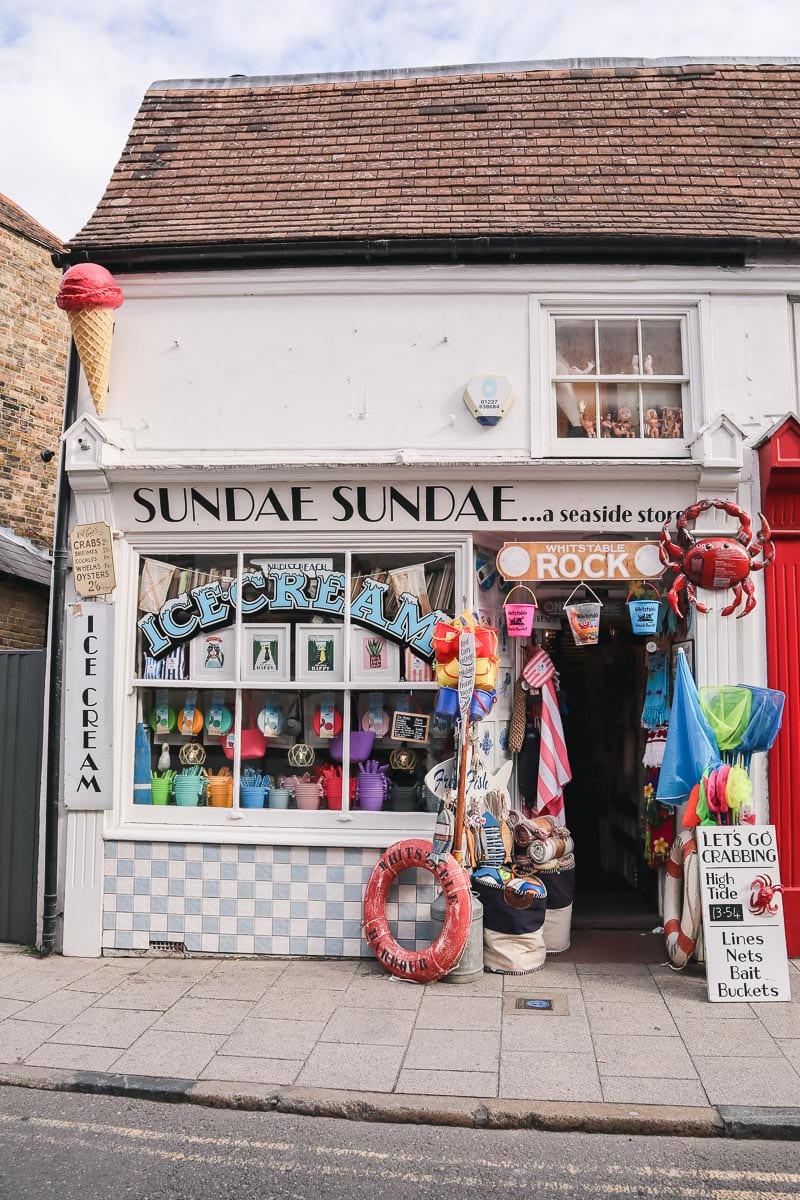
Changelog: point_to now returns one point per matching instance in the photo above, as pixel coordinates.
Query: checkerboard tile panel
(287, 900)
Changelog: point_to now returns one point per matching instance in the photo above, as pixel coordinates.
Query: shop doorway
(601, 695)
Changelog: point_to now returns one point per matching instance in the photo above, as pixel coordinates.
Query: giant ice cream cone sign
(89, 295)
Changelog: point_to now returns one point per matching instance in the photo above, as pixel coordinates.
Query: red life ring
(682, 910)
(424, 966)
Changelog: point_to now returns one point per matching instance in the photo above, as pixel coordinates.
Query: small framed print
(265, 653)
(415, 669)
(688, 649)
(212, 655)
(318, 654)
(373, 658)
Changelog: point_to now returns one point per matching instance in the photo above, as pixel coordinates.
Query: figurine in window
(587, 421)
(648, 365)
(607, 426)
(673, 423)
(623, 426)
(652, 424)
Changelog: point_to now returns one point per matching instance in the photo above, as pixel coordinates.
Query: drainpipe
(55, 703)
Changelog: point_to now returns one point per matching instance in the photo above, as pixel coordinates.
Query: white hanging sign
(88, 758)
(745, 943)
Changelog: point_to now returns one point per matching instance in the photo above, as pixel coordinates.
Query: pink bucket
(308, 795)
(519, 616)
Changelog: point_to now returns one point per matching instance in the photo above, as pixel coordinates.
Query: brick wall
(23, 615)
(34, 341)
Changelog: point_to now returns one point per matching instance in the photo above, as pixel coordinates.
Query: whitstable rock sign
(745, 943)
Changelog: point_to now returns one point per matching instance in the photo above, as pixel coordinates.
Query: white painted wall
(359, 363)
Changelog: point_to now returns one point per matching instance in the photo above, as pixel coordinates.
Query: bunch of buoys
(446, 636)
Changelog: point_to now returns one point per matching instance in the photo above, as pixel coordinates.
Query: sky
(73, 73)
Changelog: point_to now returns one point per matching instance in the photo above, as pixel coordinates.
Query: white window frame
(544, 314)
(323, 827)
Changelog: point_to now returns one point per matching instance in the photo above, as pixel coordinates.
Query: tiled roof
(15, 219)
(693, 151)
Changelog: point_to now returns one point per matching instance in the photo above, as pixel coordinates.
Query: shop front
(274, 695)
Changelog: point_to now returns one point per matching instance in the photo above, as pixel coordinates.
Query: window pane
(178, 591)
(661, 348)
(619, 411)
(663, 411)
(576, 414)
(575, 351)
(619, 348)
(185, 734)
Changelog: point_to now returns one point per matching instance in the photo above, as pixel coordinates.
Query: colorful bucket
(160, 790)
(252, 797)
(644, 613)
(584, 618)
(219, 791)
(519, 616)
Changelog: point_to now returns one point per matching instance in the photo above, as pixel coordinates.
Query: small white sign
(88, 721)
(466, 671)
(745, 943)
(93, 559)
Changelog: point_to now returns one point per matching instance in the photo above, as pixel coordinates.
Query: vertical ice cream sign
(89, 295)
(88, 716)
(740, 885)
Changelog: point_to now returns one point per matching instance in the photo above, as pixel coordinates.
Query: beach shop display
(716, 562)
(712, 778)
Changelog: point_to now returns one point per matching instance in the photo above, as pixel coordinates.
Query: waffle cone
(92, 329)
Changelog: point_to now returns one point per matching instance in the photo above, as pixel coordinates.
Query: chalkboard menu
(410, 727)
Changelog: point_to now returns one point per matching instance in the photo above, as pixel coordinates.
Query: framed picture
(688, 649)
(265, 653)
(373, 658)
(212, 655)
(318, 654)
(416, 670)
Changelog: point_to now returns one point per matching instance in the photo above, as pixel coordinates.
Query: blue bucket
(644, 614)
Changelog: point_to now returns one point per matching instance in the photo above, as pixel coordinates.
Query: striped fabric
(554, 768)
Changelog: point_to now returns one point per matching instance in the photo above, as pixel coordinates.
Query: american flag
(554, 768)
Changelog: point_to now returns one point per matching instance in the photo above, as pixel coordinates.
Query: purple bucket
(360, 745)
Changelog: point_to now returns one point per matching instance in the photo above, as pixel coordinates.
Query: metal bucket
(470, 966)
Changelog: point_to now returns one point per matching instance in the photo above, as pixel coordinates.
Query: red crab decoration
(715, 562)
(762, 896)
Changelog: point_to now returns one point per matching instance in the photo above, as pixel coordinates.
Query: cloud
(72, 74)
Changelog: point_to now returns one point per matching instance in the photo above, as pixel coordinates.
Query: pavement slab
(143, 992)
(374, 1068)
(366, 1027)
(76, 1058)
(18, 1039)
(545, 1076)
(105, 1027)
(751, 1080)
(230, 1068)
(452, 1011)
(274, 1039)
(191, 1014)
(166, 1053)
(728, 1037)
(299, 1004)
(623, 1017)
(622, 1089)
(447, 1083)
(643, 1056)
(449, 1051)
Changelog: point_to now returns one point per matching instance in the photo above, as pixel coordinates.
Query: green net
(727, 710)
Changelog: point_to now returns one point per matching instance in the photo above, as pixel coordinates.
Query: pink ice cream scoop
(88, 294)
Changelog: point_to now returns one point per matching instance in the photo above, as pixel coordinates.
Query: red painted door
(779, 459)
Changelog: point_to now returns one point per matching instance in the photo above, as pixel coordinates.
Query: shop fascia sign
(569, 561)
(408, 505)
(321, 592)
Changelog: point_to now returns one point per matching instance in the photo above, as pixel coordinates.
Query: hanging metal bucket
(644, 613)
(584, 618)
(518, 616)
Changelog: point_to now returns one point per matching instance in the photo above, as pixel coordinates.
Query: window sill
(270, 827)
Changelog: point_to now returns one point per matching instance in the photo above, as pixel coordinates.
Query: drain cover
(549, 1002)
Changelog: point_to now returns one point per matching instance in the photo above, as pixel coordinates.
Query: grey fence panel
(21, 711)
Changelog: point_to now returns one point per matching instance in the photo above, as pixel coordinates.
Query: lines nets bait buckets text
(584, 617)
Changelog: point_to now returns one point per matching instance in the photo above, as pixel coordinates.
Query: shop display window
(621, 381)
(268, 682)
